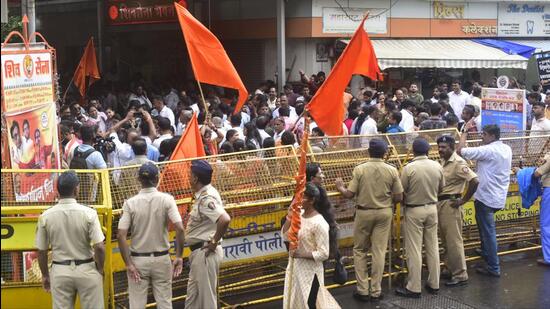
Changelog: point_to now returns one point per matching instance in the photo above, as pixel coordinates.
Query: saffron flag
(327, 106)
(174, 177)
(87, 67)
(209, 60)
(296, 205)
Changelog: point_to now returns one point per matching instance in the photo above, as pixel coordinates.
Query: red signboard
(125, 12)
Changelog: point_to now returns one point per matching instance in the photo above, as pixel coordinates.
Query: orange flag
(296, 205)
(327, 106)
(190, 144)
(209, 60)
(87, 67)
(174, 178)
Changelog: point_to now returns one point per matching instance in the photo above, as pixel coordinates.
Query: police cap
(378, 146)
(201, 167)
(447, 139)
(148, 170)
(421, 146)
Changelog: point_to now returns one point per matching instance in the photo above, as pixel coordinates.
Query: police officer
(147, 260)
(207, 223)
(423, 182)
(543, 172)
(76, 240)
(450, 210)
(376, 187)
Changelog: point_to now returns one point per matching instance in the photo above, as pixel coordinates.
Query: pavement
(523, 285)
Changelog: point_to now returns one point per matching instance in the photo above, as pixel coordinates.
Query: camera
(104, 145)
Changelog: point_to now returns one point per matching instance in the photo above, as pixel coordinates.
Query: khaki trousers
(371, 230)
(157, 271)
(68, 280)
(203, 279)
(421, 224)
(450, 226)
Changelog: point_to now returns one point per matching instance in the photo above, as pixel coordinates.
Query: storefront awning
(540, 45)
(458, 54)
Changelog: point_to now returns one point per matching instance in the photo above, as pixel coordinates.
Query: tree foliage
(14, 24)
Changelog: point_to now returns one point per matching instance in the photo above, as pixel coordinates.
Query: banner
(503, 107)
(523, 19)
(33, 144)
(543, 64)
(346, 20)
(27, 80)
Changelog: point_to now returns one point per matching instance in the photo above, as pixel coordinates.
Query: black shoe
(487, 272)
(377, 299)
(445, 274)
(404, 292)
(361, 297)
(455, 282)
(431, 290)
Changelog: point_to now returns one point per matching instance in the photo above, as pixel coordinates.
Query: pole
(67, 90)
(100, 34)
(203, 100)
(28, 8)
(281, 42)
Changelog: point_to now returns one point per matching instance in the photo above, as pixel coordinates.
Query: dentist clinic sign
(523, 19)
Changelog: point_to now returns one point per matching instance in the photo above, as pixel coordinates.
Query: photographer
(85, 156)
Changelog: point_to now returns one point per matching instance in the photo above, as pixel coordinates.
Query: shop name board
(523, 19)
(123, 12)
(346, 20)
(474, 28)
(445, 11)
(543, 64)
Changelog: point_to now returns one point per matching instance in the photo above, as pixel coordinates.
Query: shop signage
(543, 64)
(346, 20)
(524, 19)
(443, 10)
(503, 107)
(474, 28)
(124, 12)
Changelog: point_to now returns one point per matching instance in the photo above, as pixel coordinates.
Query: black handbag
(340, 275)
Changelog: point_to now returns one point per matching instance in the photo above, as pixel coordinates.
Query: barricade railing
(257, 187)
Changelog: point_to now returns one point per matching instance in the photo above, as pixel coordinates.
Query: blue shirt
(95, 159)
(394, 128)
(153, 153)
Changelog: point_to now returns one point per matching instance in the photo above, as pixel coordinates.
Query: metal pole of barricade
(107, 203)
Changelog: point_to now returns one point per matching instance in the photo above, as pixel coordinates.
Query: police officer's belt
(445, 197)
(419, 205)
(158, 253)
(76, 262)
(369, 208)
(196, 246)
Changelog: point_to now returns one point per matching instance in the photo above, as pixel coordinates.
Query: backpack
(79, 159)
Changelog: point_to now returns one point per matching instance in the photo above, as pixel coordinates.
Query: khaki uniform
(373, 183)
(544, 169)
(457, 174)
(422, 181)
(71, 229)
(146, 216)
(201, 227)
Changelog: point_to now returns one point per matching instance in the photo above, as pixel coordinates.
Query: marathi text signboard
(543, 64)
(346, 20)
(125, 12)
(33, 144)
(526, 19)
(503, 107)
(27, 79)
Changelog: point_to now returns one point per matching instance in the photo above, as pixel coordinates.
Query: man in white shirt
(183, 120)
(458, 99)
(141, 96)
(494, 163)
(165, 131)
(172, 99)
(284, 103)
(541, 124)
(163, 110)
(272, 98)
(261, 124)
(407, 111)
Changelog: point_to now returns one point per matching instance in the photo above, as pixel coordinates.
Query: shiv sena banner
(33, 144)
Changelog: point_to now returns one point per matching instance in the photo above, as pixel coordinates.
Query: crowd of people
(159, 117)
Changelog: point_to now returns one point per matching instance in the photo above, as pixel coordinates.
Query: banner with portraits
(33, 144)
(504, 107)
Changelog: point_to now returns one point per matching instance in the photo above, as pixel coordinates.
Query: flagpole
(203, 100)
(67, 90)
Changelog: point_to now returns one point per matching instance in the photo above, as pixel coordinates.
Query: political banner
(33, 144)
(503, 107)
(543, 64)
(27, 80)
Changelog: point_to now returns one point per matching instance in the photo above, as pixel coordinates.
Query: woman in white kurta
(307, 288)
